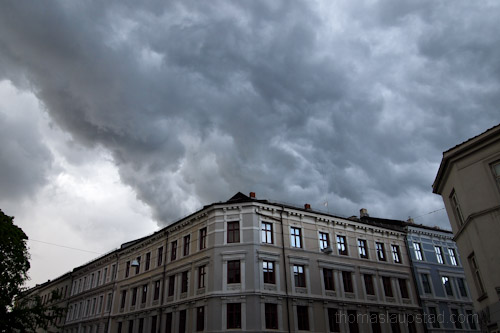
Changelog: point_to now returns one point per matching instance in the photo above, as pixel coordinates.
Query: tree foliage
(20, 309)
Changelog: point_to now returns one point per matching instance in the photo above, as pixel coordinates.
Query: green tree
(20, 309)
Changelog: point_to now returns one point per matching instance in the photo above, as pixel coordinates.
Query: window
(341, 245)
(324, 240)
(268, 269)
(120, 325)
(375, 322)
(233, 232)
(141, 325)
(201, 276)
(184, 282)
(160, 256)
(299, 276)
(455, 318)
(173, 251)
(433, 317)
(393, 319)
(157, 290)
(461, 287)
(453, 256)
(470, 319)
(113, 272)
(233, 271)
(362, 248)
(333, 320)
(127, 269)
(439, 254)
(266, 233)
(130, 326)
(154, 320)
(380, 251)
(148, 260)
(396, 254)
(144, 293)
(347, 281)
(386, 281)
(138, 267)
(233, 315)
(168, 323)
(203, 238)
(403, 288)
(447, 285)
(426, 284)
(171, 285)
(368, 278)
(412, 326)
(134, 296)
(271, 312)
(476, 273)
(457, 210)
(295, 237)
(496, 171)
(200, 318)
(105, 275)
(328, 279)
(98, 281)
(182, 321)
(109, 301)
(418, 251)
(187, 240)
(124, 297)
(302, 318)
(352, 317)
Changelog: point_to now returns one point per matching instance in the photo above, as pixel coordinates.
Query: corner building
(250, 265)
(468, 180)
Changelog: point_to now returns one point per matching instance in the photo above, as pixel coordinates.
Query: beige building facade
(468, 180)
(250, 265)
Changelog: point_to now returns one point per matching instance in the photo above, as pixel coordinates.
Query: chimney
(410, 220)
(307, 206)
(363, 212)
(252, 195)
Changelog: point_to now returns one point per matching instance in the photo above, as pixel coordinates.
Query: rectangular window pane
(200, 318)
(380, 251)
(233, 232)
(299, 276)
(173, 251)
(396, 254)
(426, 283)
(333, 320)
(201, 276)
(160, 257)
(328, 279)
(363, 248)
(295, 237)
(453, 256)
(447, 285)
(184, 282)
(271, 313)
(368, 279)
(403, 288)
(187, 243)
(347, 281)
(418, 251)
(342, 245)
(387, 286)
(233, 315)
(203, 238)
(324, 240)
(233, 271)
(439, 254)
(302, 318)
(268, 270)
(267, 233)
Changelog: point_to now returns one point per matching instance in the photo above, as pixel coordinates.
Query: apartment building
(468, 180)
(251, 265)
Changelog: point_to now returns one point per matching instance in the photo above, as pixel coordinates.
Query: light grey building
(251, 265)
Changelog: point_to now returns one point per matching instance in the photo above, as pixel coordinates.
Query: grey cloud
(198, 100)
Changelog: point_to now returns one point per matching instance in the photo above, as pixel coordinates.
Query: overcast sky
(119, 117)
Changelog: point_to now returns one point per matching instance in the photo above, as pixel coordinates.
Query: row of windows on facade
(296, 241)
(93, 280)
(439, 254)
(447, 285)
(336, 320)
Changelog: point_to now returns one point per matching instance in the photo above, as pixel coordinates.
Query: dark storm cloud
(197, 100)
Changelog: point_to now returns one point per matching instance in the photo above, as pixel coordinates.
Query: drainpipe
(164, 281)
(285, 269)
(414, 274)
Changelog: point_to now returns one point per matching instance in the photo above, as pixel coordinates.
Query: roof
(399, 224)
(473, 143)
